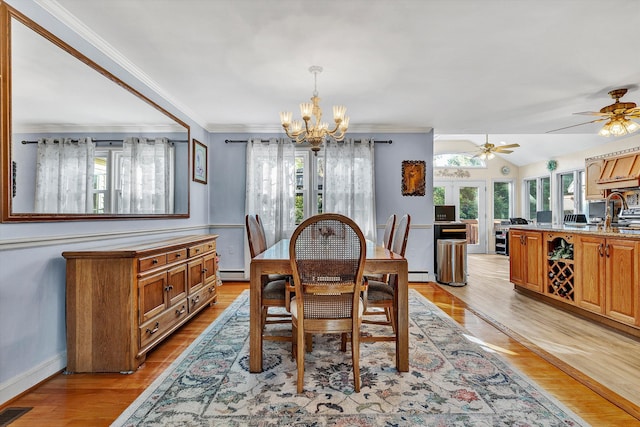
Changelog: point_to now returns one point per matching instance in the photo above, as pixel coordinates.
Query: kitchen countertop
(618, 232)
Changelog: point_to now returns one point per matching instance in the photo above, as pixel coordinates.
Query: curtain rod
(101, 140)
(236, 141)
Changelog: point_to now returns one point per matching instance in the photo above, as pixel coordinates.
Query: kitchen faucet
(607, 221)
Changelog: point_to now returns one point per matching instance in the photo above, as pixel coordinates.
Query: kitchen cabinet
(593, 169)
(123, 301)
(609, 278)
(526, 258)
(590, 273)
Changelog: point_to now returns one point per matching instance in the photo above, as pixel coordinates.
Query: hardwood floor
(98, 399)
(606, 360)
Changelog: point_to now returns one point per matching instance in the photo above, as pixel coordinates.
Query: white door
(469, 199)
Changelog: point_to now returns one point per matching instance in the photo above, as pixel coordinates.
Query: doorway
(469, 199)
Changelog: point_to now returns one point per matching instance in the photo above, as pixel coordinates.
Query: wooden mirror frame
(7, 13)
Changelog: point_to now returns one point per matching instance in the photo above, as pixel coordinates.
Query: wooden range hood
(620, 172)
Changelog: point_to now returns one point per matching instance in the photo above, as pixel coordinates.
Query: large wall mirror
(79, 143)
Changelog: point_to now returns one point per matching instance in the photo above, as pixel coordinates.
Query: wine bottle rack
(560, 267)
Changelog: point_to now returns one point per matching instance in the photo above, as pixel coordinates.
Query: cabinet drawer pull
(154, 261)
(204, 270)
(600, 250)
(195, 300)
(606, 251)
(155, 329)
(197, 250)
(181, 311)
(168, 288)
(178, 255)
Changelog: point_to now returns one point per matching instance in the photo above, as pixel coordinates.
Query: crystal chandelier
(315, 132)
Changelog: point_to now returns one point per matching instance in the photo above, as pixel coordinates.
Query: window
(309, 184)
(458, 160)
(106, 180)
(571, 194)
(100, 189)
(538, 193)
(502, 191)
(438, 196)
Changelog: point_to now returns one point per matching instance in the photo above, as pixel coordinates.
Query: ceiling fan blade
(579, 124)
(500, 147)
(593, 113)
(503, 151)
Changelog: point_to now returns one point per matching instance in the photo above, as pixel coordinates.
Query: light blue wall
(32, 270)
(228, 195)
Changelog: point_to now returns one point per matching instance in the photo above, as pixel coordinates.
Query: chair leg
(308, 342)
(300, 336)
(392, 316)
(343, 344)
(355, 355)
(294, 341)
(265, 312)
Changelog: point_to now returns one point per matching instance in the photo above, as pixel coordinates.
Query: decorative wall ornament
(456, 173)
(200, 162)
(413, 177)
(552, 165)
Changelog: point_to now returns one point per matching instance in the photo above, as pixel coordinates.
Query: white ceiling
(513, 69)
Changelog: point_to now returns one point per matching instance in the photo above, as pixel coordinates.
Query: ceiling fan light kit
(619, 116)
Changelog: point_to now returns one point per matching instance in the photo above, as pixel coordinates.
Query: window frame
(579, 184)
(539, 195)
(312, 188)
(511, 203)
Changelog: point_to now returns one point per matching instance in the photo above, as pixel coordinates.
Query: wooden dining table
(275, 260)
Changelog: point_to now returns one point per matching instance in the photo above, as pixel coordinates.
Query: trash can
(452, 262)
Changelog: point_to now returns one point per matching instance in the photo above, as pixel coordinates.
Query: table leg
(255, 319)
(402, 318)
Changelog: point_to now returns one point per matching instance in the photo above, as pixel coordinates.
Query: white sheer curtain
(146, 176)
(349, 182)
(271, 186)
(64, 175)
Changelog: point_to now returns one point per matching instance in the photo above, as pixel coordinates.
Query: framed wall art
(199, 162)
(413, 177)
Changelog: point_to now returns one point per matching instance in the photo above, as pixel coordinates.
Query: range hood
(620, 172)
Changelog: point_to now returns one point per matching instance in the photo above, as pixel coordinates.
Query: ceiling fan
(487, 150)
(618, 116)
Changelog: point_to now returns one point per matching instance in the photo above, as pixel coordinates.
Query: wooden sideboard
(123, 301)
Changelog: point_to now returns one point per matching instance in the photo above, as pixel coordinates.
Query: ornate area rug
(452, 381)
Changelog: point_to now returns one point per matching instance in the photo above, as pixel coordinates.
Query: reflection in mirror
(84, 144)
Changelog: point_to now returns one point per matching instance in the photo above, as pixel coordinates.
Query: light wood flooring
(605, 359)
(98, 399)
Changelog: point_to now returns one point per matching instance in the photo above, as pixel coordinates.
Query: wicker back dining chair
(276, 290)
(327, 254)
(381, 294)
(387, 239)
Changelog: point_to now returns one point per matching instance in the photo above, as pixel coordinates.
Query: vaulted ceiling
(512, 69)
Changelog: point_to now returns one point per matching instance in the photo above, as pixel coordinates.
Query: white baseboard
(23, 382)
(420, 277)
(237, 275)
